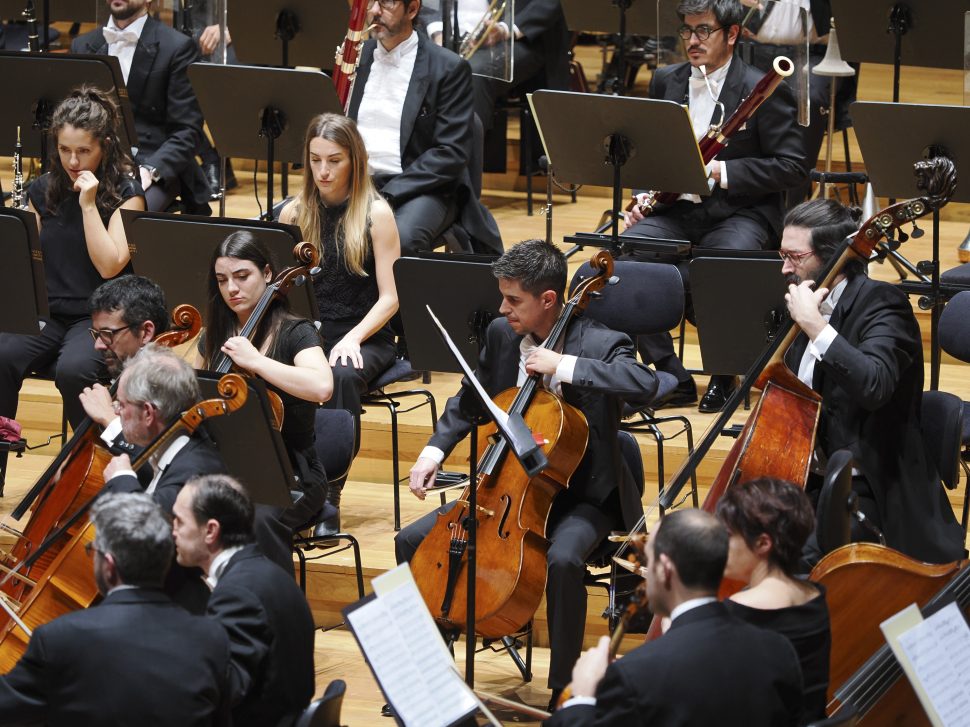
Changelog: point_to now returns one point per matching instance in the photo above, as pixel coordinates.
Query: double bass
(69, 482)
(512, 508)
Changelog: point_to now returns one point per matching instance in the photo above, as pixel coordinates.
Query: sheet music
(935, 654)
(407, 654)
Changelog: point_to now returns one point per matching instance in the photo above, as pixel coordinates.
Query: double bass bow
(512, 508)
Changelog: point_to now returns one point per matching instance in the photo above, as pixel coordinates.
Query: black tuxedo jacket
(543, 26)
(708, 669)
(135, 659)
(871, 382)
(270, 630)
(436, 136)
(763, 159)
(607, 374)
(167, 116)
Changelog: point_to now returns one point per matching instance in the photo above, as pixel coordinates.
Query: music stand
(733, 329)
(175, 251)
(288, 32)
(78, 11)
(23, 287)
(621, 17)
(279, 102)
(250, 445)
(889, 162)
(464, 296)
(34, 83)
(929, 34)
(611, 141)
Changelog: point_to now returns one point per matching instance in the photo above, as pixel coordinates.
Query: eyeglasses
(117, 405)
(106, 335)
(703, 32)
(386, 4)
(793, 257)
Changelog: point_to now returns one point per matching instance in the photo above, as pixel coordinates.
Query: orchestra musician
(861, 349)
(154, 60)
(708, 668)
(136, 657)
(412, 102)
(768, 522)
(745, 208)
(596, 371)
(77, 207)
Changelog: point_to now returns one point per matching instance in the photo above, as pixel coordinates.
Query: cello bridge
(484, 510)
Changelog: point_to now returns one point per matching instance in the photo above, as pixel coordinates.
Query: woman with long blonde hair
(341, 213)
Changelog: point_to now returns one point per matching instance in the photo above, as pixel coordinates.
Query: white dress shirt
(159, 462)
(218, 565)
(382, 105)
(815, 350)
(701, 102)
(124, 41)
(783, 26)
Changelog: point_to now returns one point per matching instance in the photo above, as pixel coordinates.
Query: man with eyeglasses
(412, 102)
(861, 349)
(764, 158)
(136, 657)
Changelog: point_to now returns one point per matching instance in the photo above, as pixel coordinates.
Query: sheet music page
(397, 634)
(935, 654)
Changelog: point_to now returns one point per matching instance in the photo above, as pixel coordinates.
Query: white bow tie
(125, 37)
(391, 59)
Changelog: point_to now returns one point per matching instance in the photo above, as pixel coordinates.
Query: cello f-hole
(507, 501)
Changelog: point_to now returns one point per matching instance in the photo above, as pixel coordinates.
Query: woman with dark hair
(285, 352)
(768, 521)
(77, 205)
(341, 213)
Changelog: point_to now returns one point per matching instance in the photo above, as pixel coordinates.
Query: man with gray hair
(156, 386)
(137, 657)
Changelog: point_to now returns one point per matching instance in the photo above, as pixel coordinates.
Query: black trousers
(422, 221)
(488, 63)
(576, 529)
(689, 221)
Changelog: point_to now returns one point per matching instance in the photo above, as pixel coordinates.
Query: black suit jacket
(763, 159)
(708, 669)
(543, 26)
(436, 136)
(167, 116)
(270, 630)
(871, 382)
(135, 659)
(607, 374)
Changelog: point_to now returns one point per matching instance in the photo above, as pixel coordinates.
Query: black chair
(833, 514)
(325, 712)
(955, 340)
(648, 298)
(335, 450)
(394, 402)
(847, 717)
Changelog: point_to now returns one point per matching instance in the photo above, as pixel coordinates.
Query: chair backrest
(941, 423)
(646, 298)
(334, 444)
(833, 526)
(955, 327)
(325, 712)
(630, 451)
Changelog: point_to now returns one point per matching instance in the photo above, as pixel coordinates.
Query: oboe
(30, 16)
(17, 198)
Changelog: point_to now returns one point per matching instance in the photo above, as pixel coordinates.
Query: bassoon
(348, 55)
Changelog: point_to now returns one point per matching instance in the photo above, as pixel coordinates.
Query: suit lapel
(846, 301)
(733, 88)
(677, 86)
(420, 77)
(96, 44)
(363, 71)
(142, 61)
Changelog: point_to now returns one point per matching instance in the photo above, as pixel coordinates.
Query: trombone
(472, 41)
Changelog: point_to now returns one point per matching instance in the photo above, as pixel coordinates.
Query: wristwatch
(153, 173)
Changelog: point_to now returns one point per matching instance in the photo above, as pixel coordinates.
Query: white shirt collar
(219, 563)
(135, 27)
(690, 605)
(716, 77)
(402, 49)
(832, 299)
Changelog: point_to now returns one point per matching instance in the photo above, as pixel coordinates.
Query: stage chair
(955, 340)
(325, 712)
(47, 374)
(833, 526)
(649, 298)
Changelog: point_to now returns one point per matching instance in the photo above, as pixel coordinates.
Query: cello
(512, 508)
(70, 481)
(68, 583)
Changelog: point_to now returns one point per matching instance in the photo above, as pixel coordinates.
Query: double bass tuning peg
(917, 233)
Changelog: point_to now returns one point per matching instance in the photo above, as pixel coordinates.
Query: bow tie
(388, 59)
(125, 37)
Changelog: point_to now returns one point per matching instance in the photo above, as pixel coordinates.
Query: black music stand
(175, 250)
(733, 329)
(34, 83)
(928, 34)
(611, 141)
(23, 287)
(288, 32)
(623, 18)
(889, 156)
(78, 11)
(250, 445)
(269, 121)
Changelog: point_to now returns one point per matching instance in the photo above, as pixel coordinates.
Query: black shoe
(554, 700)
(719, 390)
(328, 523)
(212, 172)
(684, 395)
(387, 711)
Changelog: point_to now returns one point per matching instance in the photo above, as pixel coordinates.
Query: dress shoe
(684, 395)
(212, 171)
(719, 390)
(556, 694)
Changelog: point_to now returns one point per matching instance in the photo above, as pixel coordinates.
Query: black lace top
(342, 296)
